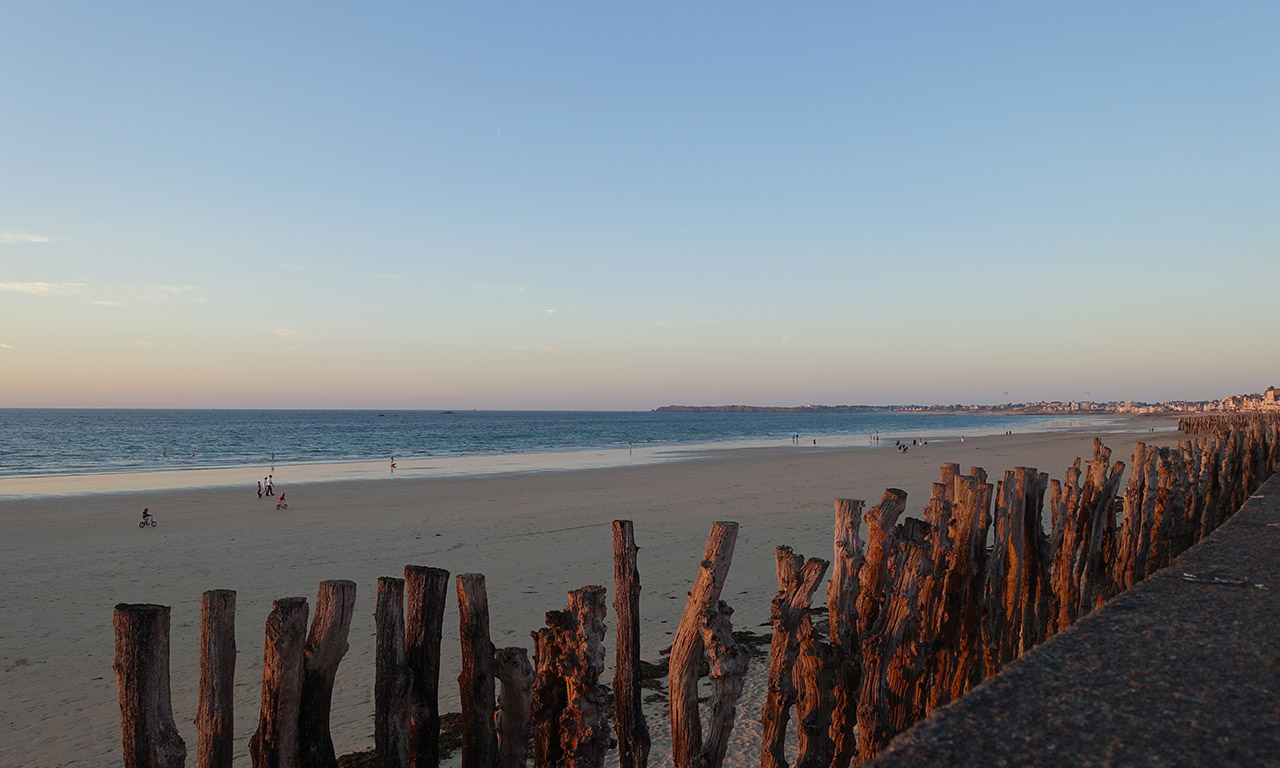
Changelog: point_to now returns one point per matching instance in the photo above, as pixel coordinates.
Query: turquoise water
(76, 441)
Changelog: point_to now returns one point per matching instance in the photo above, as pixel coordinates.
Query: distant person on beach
(393, 463)
(146, 515)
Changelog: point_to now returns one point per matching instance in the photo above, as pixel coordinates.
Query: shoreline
(293, 473)
(67, 559)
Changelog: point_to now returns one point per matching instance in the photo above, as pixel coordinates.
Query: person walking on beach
(259, 489)
(271, 485)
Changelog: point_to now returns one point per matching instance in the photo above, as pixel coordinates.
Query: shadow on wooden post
(426, 590)
(149, 737)
(215, 716)
(392, 677)
(275, 743)
(476, 682)
(326, 645)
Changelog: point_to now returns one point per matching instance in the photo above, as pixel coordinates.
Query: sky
(622, 206)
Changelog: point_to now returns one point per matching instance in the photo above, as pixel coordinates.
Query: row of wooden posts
(918, 614)
(1213, 423)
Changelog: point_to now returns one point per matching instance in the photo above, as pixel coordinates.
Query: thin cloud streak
(13, 238)
(44, 289)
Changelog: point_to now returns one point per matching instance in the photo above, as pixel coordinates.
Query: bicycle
(146, 523)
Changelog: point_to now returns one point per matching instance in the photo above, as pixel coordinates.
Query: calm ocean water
(74, 441)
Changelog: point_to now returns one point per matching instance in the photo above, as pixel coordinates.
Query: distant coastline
(777, 409)
(1056, 408)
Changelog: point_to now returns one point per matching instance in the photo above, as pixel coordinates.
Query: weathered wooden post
(1018, 572)
(874, 575)
(893, 654)
(570, 725)
(275, 743)
(728, 666)
(797, 581)
(476, 681)
(393, 679)
(426, 590)
(966, 571)
(633, 732)
(682, 675)
(842, 615)
(815, 672)
(215, 715)
(326, 645)
(515, 706)
(149, 737)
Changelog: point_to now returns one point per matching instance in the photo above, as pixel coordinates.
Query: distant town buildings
(1268, 400)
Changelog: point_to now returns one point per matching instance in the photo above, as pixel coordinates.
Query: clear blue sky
(605, 205)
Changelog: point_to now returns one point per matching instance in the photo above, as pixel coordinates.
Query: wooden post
(426, 590)
(957, 665)
(392, 678)
(476, 681)
(326, 645)
(790, 608)
(1017, 575)
(515, 706)
(728, 666)
(894, 655)
(149, 737)
(215, 715)
(842, 615)
(569, 720)
(275, 743)
(874, 575)
(633, 732)
(816, 672)
(682, 677)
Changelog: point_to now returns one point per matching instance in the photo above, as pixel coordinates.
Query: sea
(51, 442)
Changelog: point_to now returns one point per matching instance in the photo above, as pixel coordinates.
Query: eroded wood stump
(215, 714)
(149, 737)
(393, 678)
(426, 591)
(326, 645)
(275, 743)
(476, 682)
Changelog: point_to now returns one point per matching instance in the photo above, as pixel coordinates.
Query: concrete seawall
(1174, 672)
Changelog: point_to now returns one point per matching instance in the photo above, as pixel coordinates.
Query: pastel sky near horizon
(604, 205)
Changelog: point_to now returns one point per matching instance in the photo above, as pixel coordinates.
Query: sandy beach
(67, 558)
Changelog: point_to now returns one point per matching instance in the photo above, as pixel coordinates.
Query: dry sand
(66, 560)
